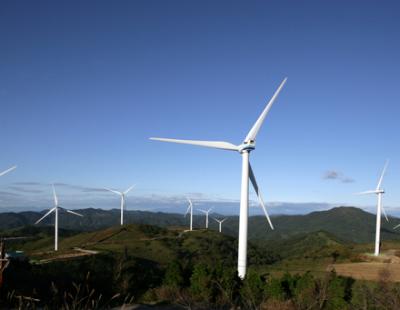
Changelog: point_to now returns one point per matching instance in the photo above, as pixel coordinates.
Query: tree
(336, 293)
(275, 290)
(253, 290)
(228, 284)
(303, 293)
(202, 284)
(288, 283)
(174, 275)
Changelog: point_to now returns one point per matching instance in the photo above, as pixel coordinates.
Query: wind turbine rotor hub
(247, 146)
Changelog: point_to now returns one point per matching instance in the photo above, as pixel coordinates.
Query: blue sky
(84, 84)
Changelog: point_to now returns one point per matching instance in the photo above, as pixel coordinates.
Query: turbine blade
(129, 189)
(39, 220)
(213, 144)
(382, 175)
(187, 211)
(258, 192)
(366, 193)
(251, 136)
(204, 211)
(384, 212)
(112, 191)
(215, 219)
(8, 170)
(55, 196)
(396, 226)
(72, 212)
(223, 220)
(190, 204)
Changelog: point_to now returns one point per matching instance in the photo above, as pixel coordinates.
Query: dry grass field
(385, 266)
(371, 271)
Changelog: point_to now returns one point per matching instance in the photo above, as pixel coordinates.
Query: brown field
(372, 271)
(386, 266)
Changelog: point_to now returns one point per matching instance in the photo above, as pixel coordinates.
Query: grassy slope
(148, 242)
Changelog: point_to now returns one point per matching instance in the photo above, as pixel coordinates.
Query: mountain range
(346, 223)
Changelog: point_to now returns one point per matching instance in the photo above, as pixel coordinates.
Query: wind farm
(96, 95)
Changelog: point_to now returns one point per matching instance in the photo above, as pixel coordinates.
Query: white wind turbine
(206, 212)
(379, 208)
(55, 210)
(220, 223)
(122, 194)
(190, 208)
(244, 149)
(8, 170)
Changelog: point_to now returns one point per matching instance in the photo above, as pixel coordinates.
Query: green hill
(314, 245)
(347, 223)
(153, 243)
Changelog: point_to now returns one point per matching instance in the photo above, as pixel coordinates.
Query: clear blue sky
(83, 84)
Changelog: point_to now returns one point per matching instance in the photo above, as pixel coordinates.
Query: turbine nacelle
(371, 192)
(247, 146)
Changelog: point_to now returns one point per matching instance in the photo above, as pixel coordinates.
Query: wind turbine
(122, 194)
(379, 208)
(8, 170)
(220, 223)
(244, 149)
(206, 212)
(190, 208)
(55, 210)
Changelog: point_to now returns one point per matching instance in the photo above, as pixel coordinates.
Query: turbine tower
(190, 208)
(379, 208)
(8, 170)
(123, 195)
(220, 223)
(206, 212)
(55, 210)
(244, 149)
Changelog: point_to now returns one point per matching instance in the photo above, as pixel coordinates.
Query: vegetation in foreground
(112, 283)
(197, 270)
